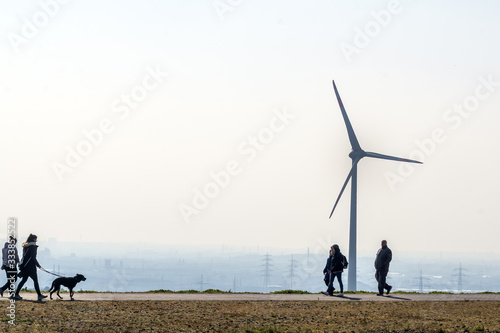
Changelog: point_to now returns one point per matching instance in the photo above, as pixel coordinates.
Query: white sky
(231, 66)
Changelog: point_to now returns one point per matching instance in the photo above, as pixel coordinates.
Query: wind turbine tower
(356, 155)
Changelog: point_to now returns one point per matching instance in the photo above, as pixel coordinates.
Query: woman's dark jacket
(337, 262)
(29, 263)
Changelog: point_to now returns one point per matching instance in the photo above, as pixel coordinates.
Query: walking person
(382, 260)
(337, 267)
(10, 260)
(333, 269)
(28, 267)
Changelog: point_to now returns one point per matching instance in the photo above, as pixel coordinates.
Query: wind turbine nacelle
(357, 154)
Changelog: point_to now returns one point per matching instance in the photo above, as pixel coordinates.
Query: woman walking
(28, 266)
(337, 269)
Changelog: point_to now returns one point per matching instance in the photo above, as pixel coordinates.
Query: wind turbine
(356, 155)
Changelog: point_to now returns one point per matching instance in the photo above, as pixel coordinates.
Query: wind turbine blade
(352, 137)
(392, 158)
(345, 184)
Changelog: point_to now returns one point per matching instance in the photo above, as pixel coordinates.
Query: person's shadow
(33, 301)
(349, 298)
(401, 298)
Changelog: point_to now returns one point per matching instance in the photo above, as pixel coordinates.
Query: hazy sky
(215, 122)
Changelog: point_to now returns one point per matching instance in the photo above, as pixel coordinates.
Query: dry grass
(254, 316)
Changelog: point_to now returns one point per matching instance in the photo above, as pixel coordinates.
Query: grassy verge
(286, 291)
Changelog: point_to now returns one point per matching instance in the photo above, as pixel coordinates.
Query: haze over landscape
(214, 123)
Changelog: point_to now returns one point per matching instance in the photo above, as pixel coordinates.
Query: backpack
(344, 262)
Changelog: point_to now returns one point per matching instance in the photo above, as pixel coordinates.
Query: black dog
(69, 282)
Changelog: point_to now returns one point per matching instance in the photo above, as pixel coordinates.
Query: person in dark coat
(28, 267)
(10, 260)
(337, 267)
(382, 260)
(334, 268)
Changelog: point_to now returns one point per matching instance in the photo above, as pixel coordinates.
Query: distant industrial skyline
(120, 267)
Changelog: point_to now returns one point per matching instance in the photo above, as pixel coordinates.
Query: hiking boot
(40, 297)
(341, 295)
(380, 294)
(389, 290)
(16, 297)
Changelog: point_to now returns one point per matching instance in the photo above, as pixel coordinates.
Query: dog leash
(43, 269)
